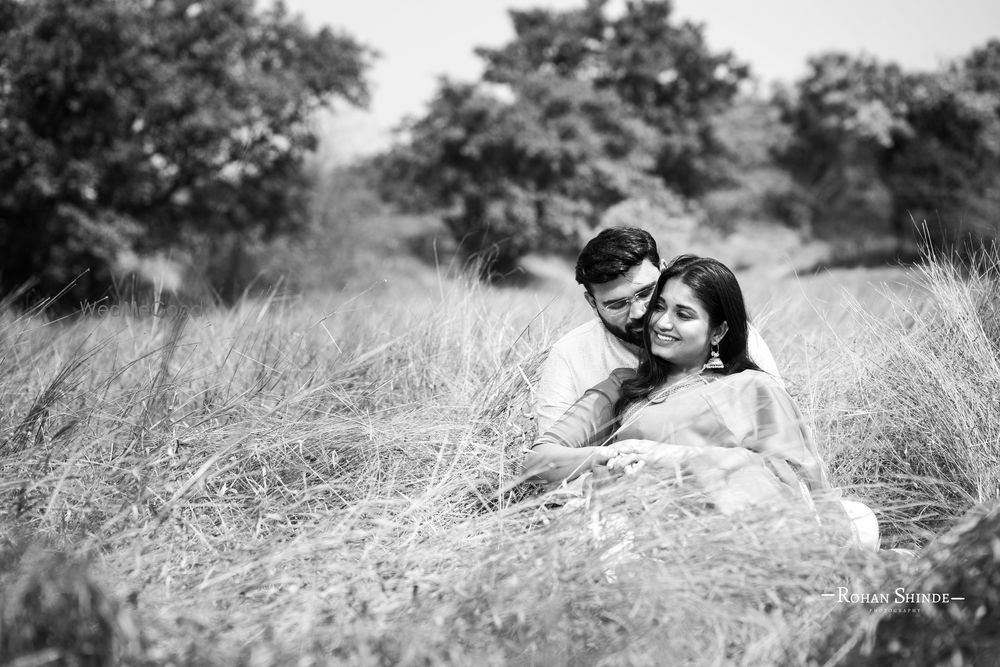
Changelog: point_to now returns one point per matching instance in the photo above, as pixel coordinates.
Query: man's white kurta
(587, 355)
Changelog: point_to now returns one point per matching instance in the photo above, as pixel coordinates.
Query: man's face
(622, 302)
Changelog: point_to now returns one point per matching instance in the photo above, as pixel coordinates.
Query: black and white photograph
(499, 332)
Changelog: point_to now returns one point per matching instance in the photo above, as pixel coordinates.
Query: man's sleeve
(761, 354)
(556, 390)
(590, 420)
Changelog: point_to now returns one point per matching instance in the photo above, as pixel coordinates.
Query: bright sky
(420, 40)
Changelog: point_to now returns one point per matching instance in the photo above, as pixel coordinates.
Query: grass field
(332, 479)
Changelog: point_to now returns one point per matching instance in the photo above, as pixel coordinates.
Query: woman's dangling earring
(714, 362)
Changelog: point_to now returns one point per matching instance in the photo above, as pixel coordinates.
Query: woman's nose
(664, 322)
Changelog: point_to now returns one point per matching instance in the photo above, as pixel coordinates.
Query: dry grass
(918, 425)
(333, 480)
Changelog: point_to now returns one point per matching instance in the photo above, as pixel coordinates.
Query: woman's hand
(711, 465)
(733, 477)
(629, 456)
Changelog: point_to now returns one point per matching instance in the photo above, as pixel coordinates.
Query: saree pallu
(740, 437)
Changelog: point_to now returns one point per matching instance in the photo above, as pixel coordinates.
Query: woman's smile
(679, 332)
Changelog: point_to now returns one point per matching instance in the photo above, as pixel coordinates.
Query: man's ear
(663, 264)
(590, 300)
(720, 332)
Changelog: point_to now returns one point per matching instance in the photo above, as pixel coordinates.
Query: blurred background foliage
(134, 128)
(577, 113)
(874, 143)
(142, 134)
(581, 112)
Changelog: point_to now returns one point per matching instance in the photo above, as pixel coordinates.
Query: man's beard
(631, 333)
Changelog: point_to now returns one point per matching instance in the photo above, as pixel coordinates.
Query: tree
(535, 174)
(847, 117)
(577, 113)
(663, 73)
(137, 125)
(949, 172)
(931, 141)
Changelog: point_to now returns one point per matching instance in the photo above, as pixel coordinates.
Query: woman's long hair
(719, 293)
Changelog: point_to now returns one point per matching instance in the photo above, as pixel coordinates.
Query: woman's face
(679, 328)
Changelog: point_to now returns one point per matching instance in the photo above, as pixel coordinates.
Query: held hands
(651, 452)
(630, 456)
(733, 477)
(626, 466)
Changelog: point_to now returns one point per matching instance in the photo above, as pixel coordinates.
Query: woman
(697, 406)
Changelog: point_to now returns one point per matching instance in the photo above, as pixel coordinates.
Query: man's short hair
(612, 253)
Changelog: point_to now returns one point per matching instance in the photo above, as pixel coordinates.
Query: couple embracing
(672, 378)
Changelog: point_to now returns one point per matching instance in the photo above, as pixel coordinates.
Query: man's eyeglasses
(620, 306)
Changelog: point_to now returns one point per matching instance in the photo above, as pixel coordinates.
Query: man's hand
(710, 465)
(632, 455)
(733, 477)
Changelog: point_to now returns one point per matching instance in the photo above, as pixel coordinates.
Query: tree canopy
(931, 140)
(580, 111)
(136, 125)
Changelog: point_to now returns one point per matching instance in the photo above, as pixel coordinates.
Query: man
(618, 269)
